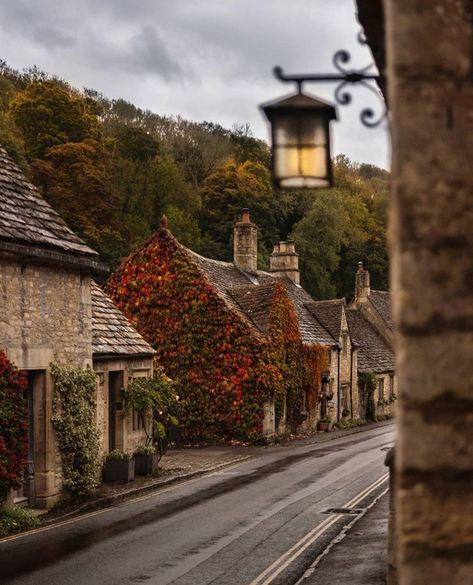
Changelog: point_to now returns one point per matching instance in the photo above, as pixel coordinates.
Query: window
(345, 344)
(381, 389)
(391, 385)
(138, 422)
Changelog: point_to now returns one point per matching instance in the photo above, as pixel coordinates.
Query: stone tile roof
(112, 334)
(26, 218)
(225, 276)
(256, 302)
(329, 314)
(374, 353)
(381, 301)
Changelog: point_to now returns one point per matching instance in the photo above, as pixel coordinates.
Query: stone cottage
(332, 314)
(371, 326)
(228, 309)
(52, 311)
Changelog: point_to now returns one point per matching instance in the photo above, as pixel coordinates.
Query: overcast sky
(203, 59)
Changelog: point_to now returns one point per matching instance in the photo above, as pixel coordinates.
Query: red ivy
(224, 368)
(13, 424)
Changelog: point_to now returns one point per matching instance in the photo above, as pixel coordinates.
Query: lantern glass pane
(308, 162)
(299, 129)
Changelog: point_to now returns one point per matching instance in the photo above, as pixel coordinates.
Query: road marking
(280, 564)
(153, 494)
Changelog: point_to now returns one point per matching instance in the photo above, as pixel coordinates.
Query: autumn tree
(75, 178)
(48, 115)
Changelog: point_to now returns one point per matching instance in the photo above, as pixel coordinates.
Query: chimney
(245, 243)
(284, 261)
(362, 284)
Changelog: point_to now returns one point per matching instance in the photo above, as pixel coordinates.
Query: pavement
(357, 557)
(261, 521)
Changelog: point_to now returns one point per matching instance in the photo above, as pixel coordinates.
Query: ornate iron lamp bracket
(344, 78)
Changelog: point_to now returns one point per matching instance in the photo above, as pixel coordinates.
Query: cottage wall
(45, 316)
(127, 438)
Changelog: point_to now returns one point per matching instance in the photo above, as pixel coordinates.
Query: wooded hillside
(112, 169)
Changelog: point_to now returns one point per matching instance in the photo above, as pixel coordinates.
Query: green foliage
(155, 399)
(15, 519)
(13, 425)
(76, 431)
(145, 450)
(117, 455)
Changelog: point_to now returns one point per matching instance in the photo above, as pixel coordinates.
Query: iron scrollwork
(345, 78)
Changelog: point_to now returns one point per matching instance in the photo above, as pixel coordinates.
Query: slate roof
(228, 279)
(374, 353)
(381, 301)
(112, 333)
(329, 314)
(26, 218)
(255, 302)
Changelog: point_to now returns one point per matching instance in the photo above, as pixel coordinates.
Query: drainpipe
(339, 349)
(352, 349)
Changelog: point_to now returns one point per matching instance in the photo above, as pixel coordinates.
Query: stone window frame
(381, 388)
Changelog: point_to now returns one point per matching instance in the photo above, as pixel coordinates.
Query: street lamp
(300, 125)
(301, 141)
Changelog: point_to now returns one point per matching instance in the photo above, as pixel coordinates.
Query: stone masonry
(430, 82)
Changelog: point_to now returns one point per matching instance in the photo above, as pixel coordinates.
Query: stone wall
(430, 81)
(45, 317)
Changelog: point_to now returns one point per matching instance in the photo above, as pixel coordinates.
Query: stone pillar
(245, 243)
(284, 261)
(362, 284)
(430, 81)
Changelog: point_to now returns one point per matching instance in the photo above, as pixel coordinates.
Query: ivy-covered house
(249, 355)
(51, 312)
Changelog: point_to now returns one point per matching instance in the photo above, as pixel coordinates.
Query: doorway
(115, 384)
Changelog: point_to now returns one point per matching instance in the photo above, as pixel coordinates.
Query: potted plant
(325, 424)
(119, 467)
(146, 460)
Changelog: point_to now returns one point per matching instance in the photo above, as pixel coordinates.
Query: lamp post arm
(343, 78)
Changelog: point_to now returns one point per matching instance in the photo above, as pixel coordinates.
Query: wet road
(262, 521)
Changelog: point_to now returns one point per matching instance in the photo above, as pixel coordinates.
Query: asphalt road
(260, 522)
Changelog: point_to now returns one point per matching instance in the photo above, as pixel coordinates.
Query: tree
(184, 227)
(75, 179)
(225, 192)
(319, 237)
(48, 115)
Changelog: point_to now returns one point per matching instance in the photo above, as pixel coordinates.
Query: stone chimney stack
(284, 261)
(245, 243)
(362, 284)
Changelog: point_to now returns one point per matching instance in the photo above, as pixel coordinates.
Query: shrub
(15, 519)
(117, 455)
(13, 425)
(76, 431)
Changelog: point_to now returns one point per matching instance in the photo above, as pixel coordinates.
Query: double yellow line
(280, 564)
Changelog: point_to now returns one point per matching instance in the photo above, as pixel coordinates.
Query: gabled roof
(256, 302)
(226, 277)
(112, 334)
(374, 354)
(329, 314)
(381, 301)
(26, 219)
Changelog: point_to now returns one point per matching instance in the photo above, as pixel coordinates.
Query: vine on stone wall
(13, 425)
(74, 422)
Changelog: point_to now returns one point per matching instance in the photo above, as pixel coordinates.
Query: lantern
(301, 141)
